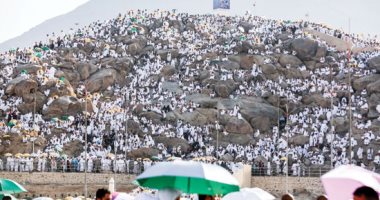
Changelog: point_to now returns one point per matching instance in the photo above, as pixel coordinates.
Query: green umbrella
(38, 54)
(37, 49)
(189, 177)
(155, 158)
(10, 187)
(10, 124)
(45, 48)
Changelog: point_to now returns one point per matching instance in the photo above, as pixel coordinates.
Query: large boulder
(193, 118)
(28, 68)
(25, 87)
(299, 140)
(246, 26)
(261, 123)
(373, 102)
(168, 71)
(316, 99)
(291, 60)
(150, 115)
(253, 109)
(246, 61)
(163, 53)
(374, 63)
(238, 126)
(307, 49)
(143, 153)
(28, 107)
(65, 105)
(227, 65)
(65, 89)
(10, 87)
(85, 70)
(362, 83)
(341, 125)
(224, 88)
(173, 142)
(101, 80)
(374, 87)
(134, 49)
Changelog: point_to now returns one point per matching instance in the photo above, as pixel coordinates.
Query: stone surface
(101, 80)
(306, 49)
(374, 63)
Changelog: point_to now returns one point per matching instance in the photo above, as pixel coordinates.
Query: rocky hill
(176, 76)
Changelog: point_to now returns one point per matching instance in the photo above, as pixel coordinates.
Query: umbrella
(155, 158)
(43, 198)
(249, 194)
(189, 177)
(10, 187)
(348, 178)
(173, 158)
(45, 48)
(26, 155)
(122, 196)
(145, 196)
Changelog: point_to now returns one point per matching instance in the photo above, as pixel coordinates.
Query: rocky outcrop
(66, 105)
(143, 153)
(101, 80)
(374, 63)
(362, 83)
(224, 88)
(307, 49)
(290, 60)
(238, 126)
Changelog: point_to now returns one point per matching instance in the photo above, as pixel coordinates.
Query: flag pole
(85, 146)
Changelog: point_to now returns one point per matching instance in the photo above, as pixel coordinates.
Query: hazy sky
(18, 16)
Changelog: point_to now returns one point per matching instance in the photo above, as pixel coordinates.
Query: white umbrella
(145, 196)
(249, 194)
(340, 183)
(124, 196)
(43, 198)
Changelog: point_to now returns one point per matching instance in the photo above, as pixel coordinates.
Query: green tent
(62, 78)
(24, 71)
(134, 30)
